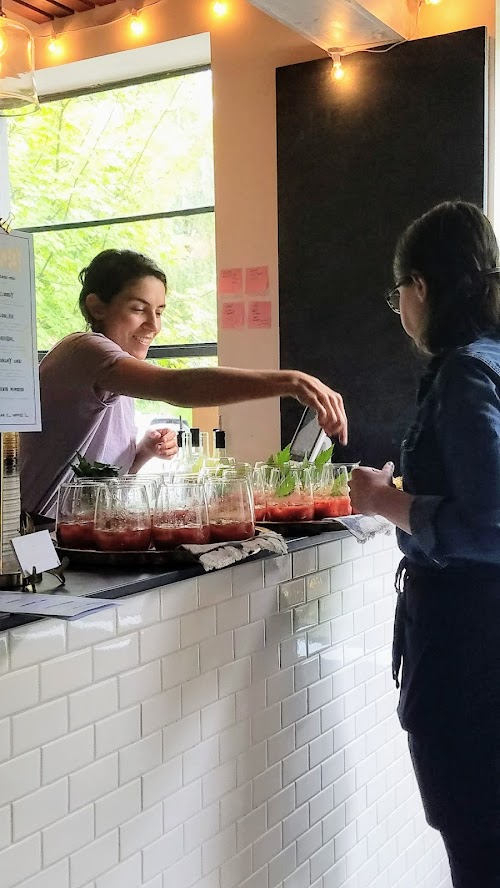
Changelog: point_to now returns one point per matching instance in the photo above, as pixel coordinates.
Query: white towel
(214, 556)
(365, 527)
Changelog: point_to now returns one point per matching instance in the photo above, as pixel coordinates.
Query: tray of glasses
(146, 558)
(303, 528)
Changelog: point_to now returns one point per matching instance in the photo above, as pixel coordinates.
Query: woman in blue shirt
(447, 628)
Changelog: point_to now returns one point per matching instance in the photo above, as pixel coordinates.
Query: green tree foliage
(121, 152)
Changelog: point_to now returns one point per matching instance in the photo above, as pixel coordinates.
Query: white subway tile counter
(231, 730)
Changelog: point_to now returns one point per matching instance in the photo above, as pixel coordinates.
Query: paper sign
(257, 280)
(259, 315)
(232, 315)
(66, 607)
(19, 381)
(230, 281)
(35, 550)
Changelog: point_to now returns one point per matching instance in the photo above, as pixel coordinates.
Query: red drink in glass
(129, 540)
(231, 531)
(283, 511)
(170, 537)
(331, 507)
(77, 535)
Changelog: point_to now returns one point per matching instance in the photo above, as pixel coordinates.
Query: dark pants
(474, 864)
(450, 707)
(460, 799)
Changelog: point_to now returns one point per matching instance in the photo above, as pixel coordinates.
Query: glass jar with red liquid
(230, 509)
(331, 492)
(290, 494)
(76, 503)
(259, 487)
(180, 515)
(122, 517)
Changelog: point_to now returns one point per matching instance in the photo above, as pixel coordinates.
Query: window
(128, 166)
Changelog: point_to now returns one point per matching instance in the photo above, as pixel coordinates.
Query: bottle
(10, 505)
(219, 444)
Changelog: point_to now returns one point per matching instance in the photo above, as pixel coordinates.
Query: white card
(67, 607)
(35, 550)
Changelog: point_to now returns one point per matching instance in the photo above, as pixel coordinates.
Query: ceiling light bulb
(338, 72)
(55, 46)
(3, 42)
(136, 25)
(220, 8)
(433, 2)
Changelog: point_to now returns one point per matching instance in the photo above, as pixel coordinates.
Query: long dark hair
(452, 247)
(111, 271)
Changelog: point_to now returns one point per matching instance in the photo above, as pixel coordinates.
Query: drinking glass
(331, 492)
(152, 483)
(76, 502)
(180, 515)
(122, 517)
(260, 488)
(290, 496)
(230, 509)
(213, 466)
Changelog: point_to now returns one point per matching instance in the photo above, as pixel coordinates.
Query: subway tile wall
(234, 731)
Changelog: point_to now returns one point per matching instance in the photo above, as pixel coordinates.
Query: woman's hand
(161, 443)
(328, 404)
(366, 487)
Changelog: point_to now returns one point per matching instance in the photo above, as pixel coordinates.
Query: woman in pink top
(88, 382)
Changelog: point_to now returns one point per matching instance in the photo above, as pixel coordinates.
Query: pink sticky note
(232, 315)
(257, 279)
(230, 281)
(259, 314)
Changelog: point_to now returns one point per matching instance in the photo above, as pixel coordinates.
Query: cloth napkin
(365, 527)
(214, 556)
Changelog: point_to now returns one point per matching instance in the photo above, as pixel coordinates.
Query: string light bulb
(433, 2)
(220, 8)
(55, 45)
(338, 72)
(3, 41)
(136, 24)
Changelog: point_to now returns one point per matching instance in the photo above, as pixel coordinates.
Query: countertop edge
(126, 582)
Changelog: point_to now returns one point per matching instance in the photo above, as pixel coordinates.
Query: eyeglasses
(392, 295)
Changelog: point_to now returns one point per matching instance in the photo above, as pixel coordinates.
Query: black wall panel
(357, 161)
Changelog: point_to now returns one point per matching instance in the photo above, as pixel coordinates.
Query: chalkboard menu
(358, 160)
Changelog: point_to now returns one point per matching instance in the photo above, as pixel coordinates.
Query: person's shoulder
(96, 342)
(476, 359)
(80, 344)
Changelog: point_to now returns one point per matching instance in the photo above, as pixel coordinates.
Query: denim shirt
(450, 460)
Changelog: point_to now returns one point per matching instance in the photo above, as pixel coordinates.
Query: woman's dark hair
(111, 271)
(451, 247)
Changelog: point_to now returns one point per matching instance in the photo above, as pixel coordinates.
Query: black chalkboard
(357, 161)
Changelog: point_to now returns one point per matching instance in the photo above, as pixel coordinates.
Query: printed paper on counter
(19, 381)
(259, 315)
(257, 280)
(230, 281)
(232, 315)
(66, 607)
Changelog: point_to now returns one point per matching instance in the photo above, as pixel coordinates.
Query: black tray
(146, 558)
(303, 528)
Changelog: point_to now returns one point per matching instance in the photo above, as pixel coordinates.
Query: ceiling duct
(344, 24)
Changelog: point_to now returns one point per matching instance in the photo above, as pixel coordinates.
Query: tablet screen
(308, 436)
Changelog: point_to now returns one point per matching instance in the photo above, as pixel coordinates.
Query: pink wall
(247, 47)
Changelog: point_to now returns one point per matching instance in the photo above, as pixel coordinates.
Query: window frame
(183, 350)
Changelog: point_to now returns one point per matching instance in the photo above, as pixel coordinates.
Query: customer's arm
(207, 386)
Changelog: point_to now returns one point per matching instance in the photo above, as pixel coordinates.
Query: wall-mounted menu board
(357, 161)
(19, 382)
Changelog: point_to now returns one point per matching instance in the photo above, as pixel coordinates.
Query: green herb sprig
(86, 469)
